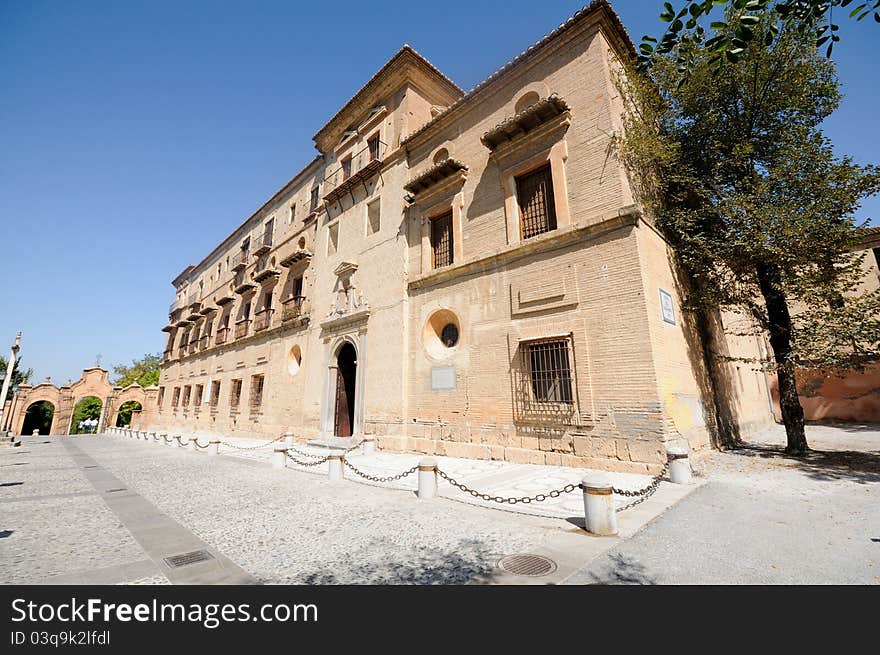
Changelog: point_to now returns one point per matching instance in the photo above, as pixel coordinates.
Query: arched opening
(86, 416)
(38, 416)
(346, 376)
(526, 101)
(123, 417)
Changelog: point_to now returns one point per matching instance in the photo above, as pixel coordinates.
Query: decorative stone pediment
(349, 299)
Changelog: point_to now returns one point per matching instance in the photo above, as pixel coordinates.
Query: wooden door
(342, 424)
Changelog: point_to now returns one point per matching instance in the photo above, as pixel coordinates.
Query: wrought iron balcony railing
(263, 319)
(222, 335)
(292, 308)
(241, 328)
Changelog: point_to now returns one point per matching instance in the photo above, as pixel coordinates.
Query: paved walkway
(109, 509)
(763, 518)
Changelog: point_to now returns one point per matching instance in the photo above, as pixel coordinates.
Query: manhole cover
(533, 565)
(176, 561)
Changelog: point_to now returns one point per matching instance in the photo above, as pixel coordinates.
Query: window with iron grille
(373, 144)
(215, 393)
(235, 394)
(199, 394)
(537, 209)
(441, 240)
(346, 168)
(313, 203)
(549, 370)
(161, 396)
(187, 391)
(256, 391)
(175, 397)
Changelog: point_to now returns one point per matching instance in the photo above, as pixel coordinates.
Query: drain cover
(110, 491)
(532, 565)
(176, 561)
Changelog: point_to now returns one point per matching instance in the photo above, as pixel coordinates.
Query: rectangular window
(373, 144)
(373, 217)
(333, 238)
(175, 397)
(549, 370)
(313, 203)
(161, 396)
(346, 168)
(187, 391)
(215, 393)
(235, 394)
(298, 287)
(267, 300)
(199, 395)
(292, 216)
(534, 193)
(256, 399)
(441, 240)
(246, 246)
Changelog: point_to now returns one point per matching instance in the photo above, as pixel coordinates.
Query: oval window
(449, 335)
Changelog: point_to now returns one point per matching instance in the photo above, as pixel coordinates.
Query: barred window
(199, 394)
(549, 369)
(187, 390)
(313, 200)
(161, 396)
(256, 391)
(175, 397)
(373, 144)
(537, 208)
(346, 168)
(441, 240)
(215, 393)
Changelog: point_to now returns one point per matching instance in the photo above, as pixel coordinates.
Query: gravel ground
(765, 519)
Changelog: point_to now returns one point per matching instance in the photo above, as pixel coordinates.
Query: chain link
(302, 453)
(302, 463)
(374, 478)
(510, 500)
(198, 445)
(649, 489)
(262, 445)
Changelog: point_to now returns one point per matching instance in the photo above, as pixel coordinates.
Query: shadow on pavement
(621, 569)
(824, 465)
(469, 563)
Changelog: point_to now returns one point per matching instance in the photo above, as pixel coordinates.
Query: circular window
(294, 360)
(449, 335)
(441, 333)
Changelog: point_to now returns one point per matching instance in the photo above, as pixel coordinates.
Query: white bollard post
(335, 468)
(289, 441)
(679, 465)
(369, 445)
(215, 447)
(278, 458)
(599, 512)
(427, 478)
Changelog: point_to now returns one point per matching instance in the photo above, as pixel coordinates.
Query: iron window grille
(215, 393)
(256, 399)
(373, 145)
(441, 240)
(537, 207)
(543, 389)
(235, 396)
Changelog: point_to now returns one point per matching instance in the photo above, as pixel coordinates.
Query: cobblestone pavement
(278, 526)
(763, 518)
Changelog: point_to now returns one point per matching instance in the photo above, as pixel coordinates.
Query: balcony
(264, 244)
(239, 262)
(263, 319)
(241, 328)
(222, 335)
(298, 255)
(167, 355)
(241, 285)
(266, 274)
(181, 352)
(292, 308)
(364, 165)
(205, 342)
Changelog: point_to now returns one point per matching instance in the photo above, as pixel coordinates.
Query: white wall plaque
(666, 307)
(442, 377)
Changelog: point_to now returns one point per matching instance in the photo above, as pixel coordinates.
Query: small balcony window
(534, 192)
(441, 240)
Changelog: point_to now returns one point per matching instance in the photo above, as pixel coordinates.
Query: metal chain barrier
(303, 453)
(262, 445)
(510, 501)
(198, 445)
(374, 478)
(641, 495)
(185, 444)
(302, 463)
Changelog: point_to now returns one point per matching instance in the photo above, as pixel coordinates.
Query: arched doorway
(123, 417)
(38, 416)
(346, 383)
(87, 409)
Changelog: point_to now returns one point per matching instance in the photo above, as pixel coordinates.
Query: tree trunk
(780, 341)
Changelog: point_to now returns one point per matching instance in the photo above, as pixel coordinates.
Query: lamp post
(7, 375)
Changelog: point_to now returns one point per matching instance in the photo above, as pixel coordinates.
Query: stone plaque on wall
(442, 377)
(666, 307)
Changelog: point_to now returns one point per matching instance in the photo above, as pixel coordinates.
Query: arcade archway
(38, 416)
(123, 417)
(86, 409)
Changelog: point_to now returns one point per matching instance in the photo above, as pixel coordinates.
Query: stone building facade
(458, 273)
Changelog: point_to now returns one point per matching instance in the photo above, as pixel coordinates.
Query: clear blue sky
(135, 136)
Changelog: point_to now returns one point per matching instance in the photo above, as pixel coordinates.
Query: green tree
(746, 187)
(125, 411)
(726, 40)
(88, 408)
(144, 371)
(19, 376)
